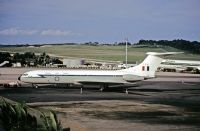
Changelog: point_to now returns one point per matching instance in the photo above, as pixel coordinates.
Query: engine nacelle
(132, 78)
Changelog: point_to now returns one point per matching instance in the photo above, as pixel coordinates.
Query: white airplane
(143, 71)
(180, 65)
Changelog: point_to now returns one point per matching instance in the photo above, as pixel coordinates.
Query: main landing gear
(126, 91)
(103, 87)
(34, 86)
(81, 91)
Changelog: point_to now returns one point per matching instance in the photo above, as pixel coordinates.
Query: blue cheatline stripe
(84, 75)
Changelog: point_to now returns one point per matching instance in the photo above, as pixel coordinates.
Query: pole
(126, 52)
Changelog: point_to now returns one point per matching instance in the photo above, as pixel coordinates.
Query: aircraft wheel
(103, 87)
(126, 91)
(35, 86)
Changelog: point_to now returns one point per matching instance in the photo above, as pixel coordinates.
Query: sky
(104, 21)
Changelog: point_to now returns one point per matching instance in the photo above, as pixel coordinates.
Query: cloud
(17, 31)
(56, 32)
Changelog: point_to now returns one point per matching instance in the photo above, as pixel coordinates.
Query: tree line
(28, 59)
(193, 47)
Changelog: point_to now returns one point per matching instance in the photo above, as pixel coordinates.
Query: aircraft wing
(163, 53)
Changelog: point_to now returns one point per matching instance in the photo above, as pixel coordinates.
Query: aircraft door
(56, 78)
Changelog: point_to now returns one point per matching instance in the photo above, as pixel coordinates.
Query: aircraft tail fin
(150, 64)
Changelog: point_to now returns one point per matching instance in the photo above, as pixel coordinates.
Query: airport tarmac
(169, 102)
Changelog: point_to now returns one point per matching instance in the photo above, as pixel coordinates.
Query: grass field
(104, 52)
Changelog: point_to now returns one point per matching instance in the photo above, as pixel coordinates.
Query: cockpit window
(25, 74)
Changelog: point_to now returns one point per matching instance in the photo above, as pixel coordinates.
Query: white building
(73, 62)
